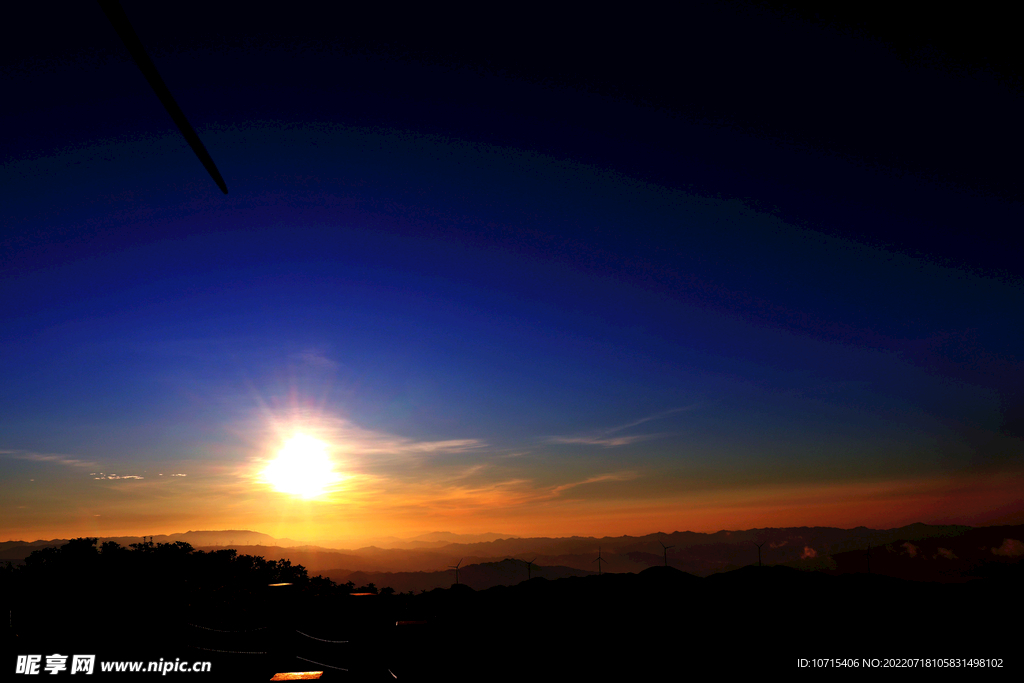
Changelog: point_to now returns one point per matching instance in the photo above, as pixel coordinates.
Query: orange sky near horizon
(364, 508)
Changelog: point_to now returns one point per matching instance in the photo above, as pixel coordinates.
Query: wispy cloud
(470, 471)
(353, 441)
(609, 438)
(605, 441)
(458, 495)
(57, 458)
(315, 360)
(514, 454)
(656, 416)
(616, 476)
(451, 446)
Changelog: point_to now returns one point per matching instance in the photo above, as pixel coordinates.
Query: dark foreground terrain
(171, 602)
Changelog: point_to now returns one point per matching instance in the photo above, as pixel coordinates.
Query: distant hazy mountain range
(921, 551)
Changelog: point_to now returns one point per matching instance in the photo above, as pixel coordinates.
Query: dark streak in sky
(119, 20)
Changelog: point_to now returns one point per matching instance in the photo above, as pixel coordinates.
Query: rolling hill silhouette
(156, 601)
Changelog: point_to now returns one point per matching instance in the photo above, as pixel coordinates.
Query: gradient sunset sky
(571, 276)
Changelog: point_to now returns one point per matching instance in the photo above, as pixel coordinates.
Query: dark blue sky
(761, 270)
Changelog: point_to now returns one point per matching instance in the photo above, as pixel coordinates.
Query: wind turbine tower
(599, 560)
(759, 551)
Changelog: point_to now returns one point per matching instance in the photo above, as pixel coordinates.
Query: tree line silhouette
(81, 587)
(151, 600)
(174, 567)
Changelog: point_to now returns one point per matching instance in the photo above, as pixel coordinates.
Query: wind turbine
(759, 551)
(456, 568)
(599, 560)
(666, 547)
(528, 564)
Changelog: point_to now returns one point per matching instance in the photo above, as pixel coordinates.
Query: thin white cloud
(606, 441)
(469, 472)
(615, 476)
(455, 495)
(608, 438)
(656, 416)
(48, 457)
(513, 454)
(359, 441)
(450, 446)
(316, 360)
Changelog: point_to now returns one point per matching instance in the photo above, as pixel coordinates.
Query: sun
(302, 467)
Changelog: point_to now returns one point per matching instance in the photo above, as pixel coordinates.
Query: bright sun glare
(301, 468)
